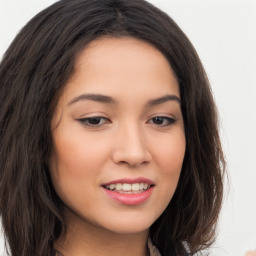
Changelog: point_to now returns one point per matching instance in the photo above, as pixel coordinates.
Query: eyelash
(169, 120)
(86, 121)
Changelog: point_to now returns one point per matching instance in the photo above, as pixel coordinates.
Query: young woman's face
(118, 135)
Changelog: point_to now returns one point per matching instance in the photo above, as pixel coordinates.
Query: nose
(131, 147)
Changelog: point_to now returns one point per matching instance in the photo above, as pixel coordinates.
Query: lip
(129, 199)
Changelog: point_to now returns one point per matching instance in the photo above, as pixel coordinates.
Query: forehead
(112, 65)
(122, 52)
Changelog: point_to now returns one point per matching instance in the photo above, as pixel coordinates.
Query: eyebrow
(109, 100)
(163, 99)
(94, 97)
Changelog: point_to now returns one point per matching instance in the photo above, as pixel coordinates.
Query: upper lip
(130, 181)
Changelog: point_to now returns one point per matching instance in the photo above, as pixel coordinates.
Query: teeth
(141, 186)
(135, 186)
(119, 186)
(128, 188)
(112, 186)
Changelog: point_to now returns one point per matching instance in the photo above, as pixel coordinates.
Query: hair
(33, 73)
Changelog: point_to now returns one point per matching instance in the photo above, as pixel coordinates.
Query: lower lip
(129, 199)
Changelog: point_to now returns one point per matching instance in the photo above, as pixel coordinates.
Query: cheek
(169, 158)
(78, 154)
(170, 152)
(74, 168)
(76, 163)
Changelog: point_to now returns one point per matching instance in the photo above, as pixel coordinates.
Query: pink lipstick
(129, 191)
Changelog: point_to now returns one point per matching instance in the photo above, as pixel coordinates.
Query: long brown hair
(34, 71)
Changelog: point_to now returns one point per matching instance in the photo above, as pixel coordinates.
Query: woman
(109, 137)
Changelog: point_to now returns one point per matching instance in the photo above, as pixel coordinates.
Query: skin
(250, 253)
(128, 142)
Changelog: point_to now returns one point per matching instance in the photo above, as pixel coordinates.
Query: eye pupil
(94, 120)
(158, 120)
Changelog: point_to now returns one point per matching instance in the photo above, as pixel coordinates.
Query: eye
(162, 121)
(95, 121)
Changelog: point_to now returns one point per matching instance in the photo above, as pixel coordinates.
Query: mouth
(128, 188)
(129, 191)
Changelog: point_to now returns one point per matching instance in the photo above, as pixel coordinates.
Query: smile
(129, 191)
(127, 188)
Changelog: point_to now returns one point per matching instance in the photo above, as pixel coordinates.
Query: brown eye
(94, 121)
(162, 120)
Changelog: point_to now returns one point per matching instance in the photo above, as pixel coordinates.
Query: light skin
(119, 116)
(250, 253)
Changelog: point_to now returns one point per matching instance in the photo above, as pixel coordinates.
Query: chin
(129, 229)
(128, 224)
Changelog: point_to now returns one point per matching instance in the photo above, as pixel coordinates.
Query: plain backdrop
(224, 34)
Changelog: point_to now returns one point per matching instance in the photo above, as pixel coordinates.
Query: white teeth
(119, 186)
(128, 188)
(112, 186)
(135, 186)
(141, 186)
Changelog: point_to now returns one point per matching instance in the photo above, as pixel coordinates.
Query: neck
(83, 238)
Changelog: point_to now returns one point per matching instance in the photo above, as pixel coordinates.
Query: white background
(224, 34)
